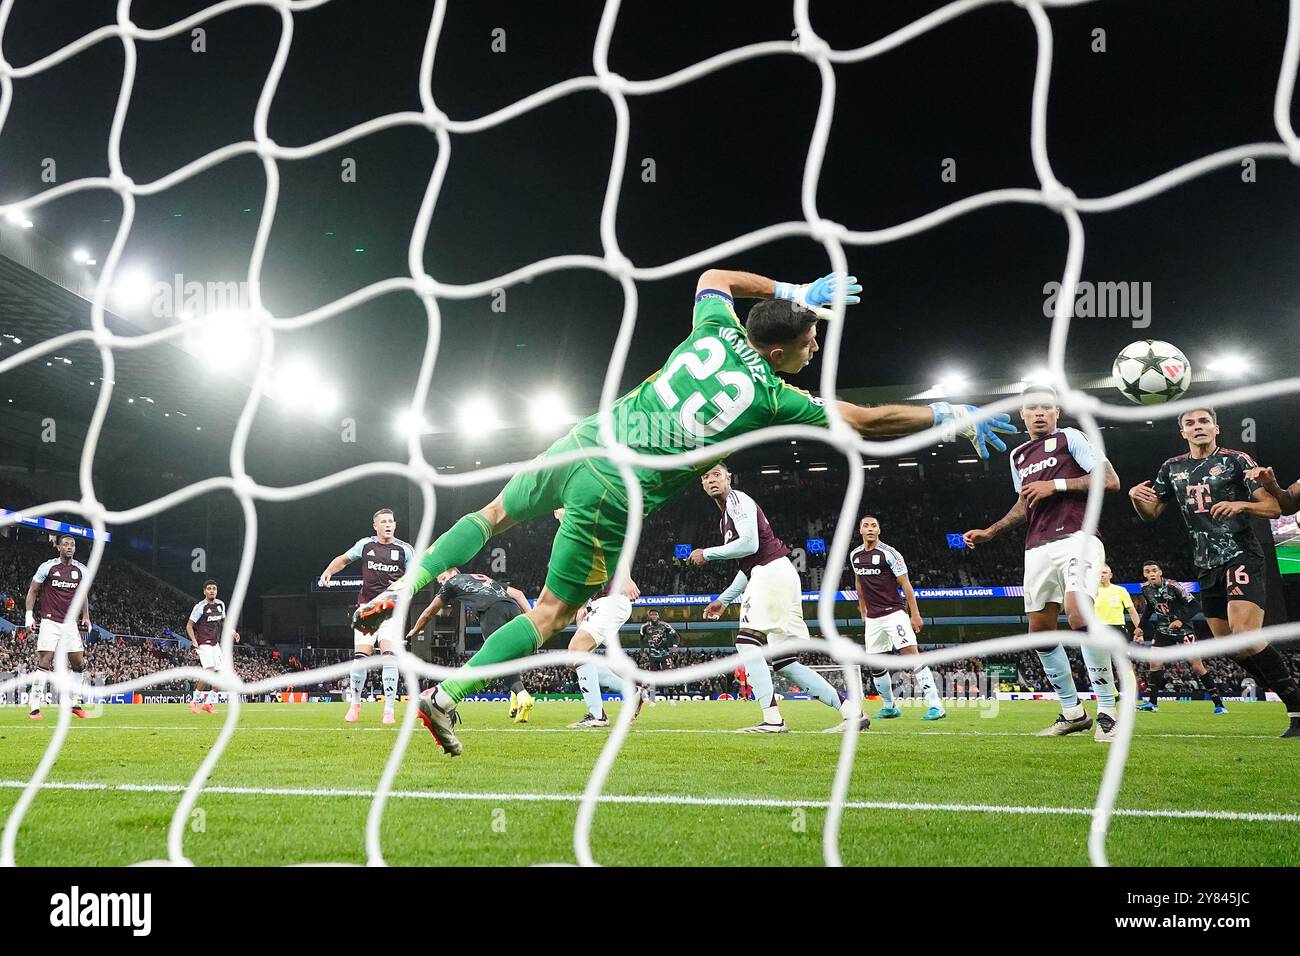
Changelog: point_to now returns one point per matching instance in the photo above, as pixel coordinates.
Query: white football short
(390, 630)
(773, 602)
(607, 615)
(1053, 568)
(891, 632)
(210, 656)
(59, 636)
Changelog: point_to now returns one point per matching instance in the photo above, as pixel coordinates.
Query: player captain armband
(1060, 484)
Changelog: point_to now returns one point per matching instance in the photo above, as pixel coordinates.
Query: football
(1151, 372)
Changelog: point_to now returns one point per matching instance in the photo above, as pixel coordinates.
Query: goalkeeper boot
(1220, 709)
(389, 716)
(885, 713)
(765, 728)
(209, 709)
(369, 616)
(1294, 730)
(934, 713)
(77, 711)
(1147, 707)
(1063, 726)
(590, 721)
(526, 703)
(35, 715)
(1105, 727)
(194, 707)
(354, 712)
(441, 723)
(514, 704)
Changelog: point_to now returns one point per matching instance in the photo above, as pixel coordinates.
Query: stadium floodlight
(1229, 366)
(952, 383)
(770, 471)
(907, 464)
(326, 400)
(295, 383)
(80, 256)
(409, 423)
(225, 341)
(549, 411)
(478, 414)
(132, 289)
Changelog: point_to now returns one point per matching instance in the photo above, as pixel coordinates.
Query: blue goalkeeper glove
(980, 434)
(820, 295)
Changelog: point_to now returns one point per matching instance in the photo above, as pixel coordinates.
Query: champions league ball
(1151, 372)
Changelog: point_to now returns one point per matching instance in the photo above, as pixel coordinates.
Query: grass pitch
(981, 789)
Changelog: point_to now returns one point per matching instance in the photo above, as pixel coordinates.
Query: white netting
(833, 236)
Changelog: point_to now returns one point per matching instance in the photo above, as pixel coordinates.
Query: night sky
(1176, 82)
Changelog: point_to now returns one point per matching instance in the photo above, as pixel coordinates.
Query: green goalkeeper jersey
(713, 387)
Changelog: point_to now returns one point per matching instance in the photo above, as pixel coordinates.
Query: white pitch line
(665, 800)
(640, 730)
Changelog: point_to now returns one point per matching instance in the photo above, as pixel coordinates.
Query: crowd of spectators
(123, 598)
(117, 659)
(915, 516)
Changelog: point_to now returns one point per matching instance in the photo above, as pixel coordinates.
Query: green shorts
(590, 538)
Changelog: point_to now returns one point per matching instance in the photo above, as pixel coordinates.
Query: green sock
(517, 638)
(457, 545)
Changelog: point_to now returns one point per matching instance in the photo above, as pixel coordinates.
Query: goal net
(833, 237)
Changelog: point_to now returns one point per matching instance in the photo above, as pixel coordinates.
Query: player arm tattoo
(884, 420)
(1014, 517)
(739, 285)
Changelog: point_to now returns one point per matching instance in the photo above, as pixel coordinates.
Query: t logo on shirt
(1198, 496)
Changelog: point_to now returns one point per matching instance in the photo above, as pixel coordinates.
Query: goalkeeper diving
(722, 381)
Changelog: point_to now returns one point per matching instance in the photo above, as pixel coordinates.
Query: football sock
(1210, 687)
(78, 679)
(1056, 664)
(37, 693)
(1155, 684)
(358, 676)
(515, 639)
(925, 680)
(884, 682)
(589, 684)
(1101, 675)
(457, 545)
(390, 683)
(760, 677)
(514, 698)
(813, 683)
(1272, 668)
